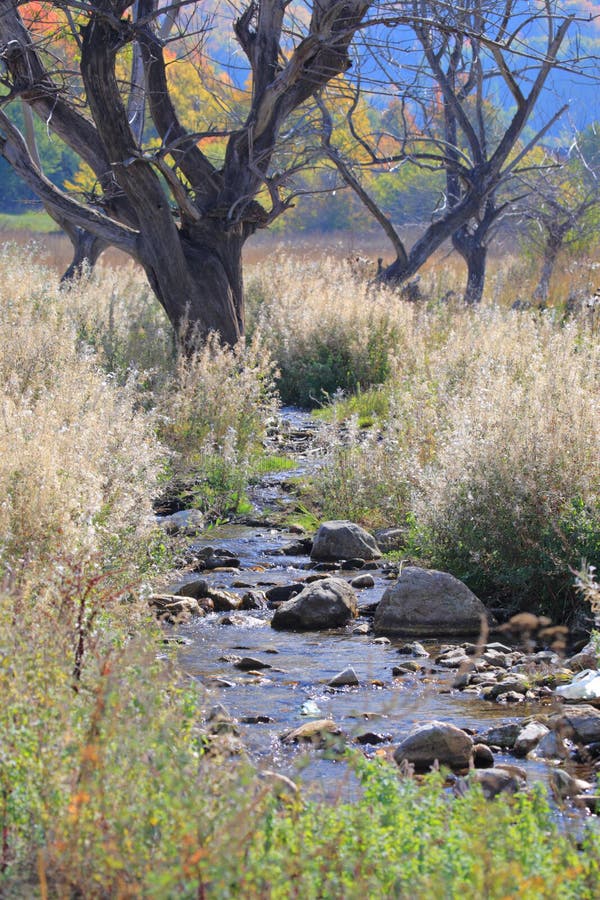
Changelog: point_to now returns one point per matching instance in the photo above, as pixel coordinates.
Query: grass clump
(116, 316)
(214, 417)
(78, 458)
(399, 839)
(328, 330)
(102, 350)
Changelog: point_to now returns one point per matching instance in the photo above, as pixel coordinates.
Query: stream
(274, 700)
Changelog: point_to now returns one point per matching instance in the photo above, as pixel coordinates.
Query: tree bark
(86, 252)
(474, 252)
(212, 271)
(551, 251)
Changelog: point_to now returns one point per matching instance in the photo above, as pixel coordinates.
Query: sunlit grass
(484, 442)
(34, 221)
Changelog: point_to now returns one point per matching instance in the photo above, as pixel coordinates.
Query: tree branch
(523, 112)
(14, 150)
(198, 170)
(356, 186)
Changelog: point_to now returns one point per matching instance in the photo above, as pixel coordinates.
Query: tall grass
(330, 328)
(214, 413)
(92, 379)
(111, 782)
(78, 457)
(489, 452)
(327, 329)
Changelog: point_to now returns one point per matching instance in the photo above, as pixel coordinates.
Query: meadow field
(474, 430)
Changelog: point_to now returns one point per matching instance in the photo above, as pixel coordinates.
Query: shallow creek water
(302, 664)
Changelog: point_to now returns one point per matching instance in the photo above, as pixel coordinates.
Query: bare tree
(87, 248)
(469, 53)
(562, 206)
(182, 214)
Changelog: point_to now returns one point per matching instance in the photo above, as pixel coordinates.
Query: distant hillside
(578, 83)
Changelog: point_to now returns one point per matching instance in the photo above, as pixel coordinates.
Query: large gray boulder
(390, 538)
(587, 658)
(426, 602)
(529, 737)
(579, 723)
(344, 540)
(436, 741)
(503, 736)
(327, 603)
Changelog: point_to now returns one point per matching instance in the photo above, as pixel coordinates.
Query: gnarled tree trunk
(205, 292)
(476, 260)
(552, 247)
(472, 247)
(87, 249)
(471, 241)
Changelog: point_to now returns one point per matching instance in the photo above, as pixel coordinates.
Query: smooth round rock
(390, 538)
(551, 746)
(363, 581)
(312, 732)
(195, 587)
(224, 601)
(483, 758)
(279, 593)
(495, 781)
(373, 737)
(344, 540)
(328, 603)
(503, 735)
(436, 742)
(248, 663)
(346, 678)
(564, 785)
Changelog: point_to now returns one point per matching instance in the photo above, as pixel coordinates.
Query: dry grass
(213, 414)
(510, 276)
(490, 449)
(78, 459)
(326, 328)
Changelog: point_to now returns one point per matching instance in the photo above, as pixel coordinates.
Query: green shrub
(334, 363)
(489, 450)
(214, 415)
(328, 330)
